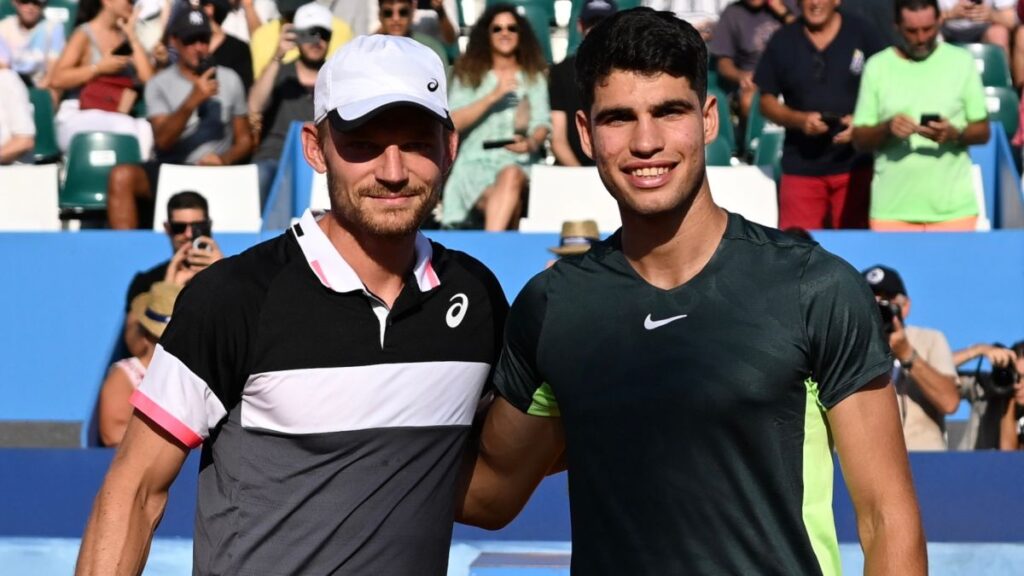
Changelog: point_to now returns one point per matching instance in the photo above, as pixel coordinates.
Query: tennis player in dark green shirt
(695, 368)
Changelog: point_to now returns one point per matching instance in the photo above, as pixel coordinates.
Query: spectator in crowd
(226, 50)
(246, 16)
(150, 313)
(33, 42)
(808, 77)
(925, 378)
(920, 106)
(284, 92)
(988, 21)
(396, 20)
(438, 20)
(576, 238)
(199, 116)
(991, 404)
(101, 71)
(565, 97)
(499, 94)
(17, 127)
(739, 38)
(702, 14)
(266, 39)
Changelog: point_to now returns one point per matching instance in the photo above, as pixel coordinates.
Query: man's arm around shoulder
(516, 450)
(868, 437)
(131, 501)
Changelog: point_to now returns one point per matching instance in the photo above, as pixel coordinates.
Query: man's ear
(711, 119)
(583, 127)
(452, 150)
(311, 147)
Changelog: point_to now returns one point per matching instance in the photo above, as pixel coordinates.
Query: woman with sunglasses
(499, 102)
(102, 71)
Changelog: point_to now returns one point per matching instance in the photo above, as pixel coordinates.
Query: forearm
(939, 389)
(448, 33)
(240, 149)
(727, 69)
(975, 133)
(968, 354)
(252, 18)
(120, 529)
(466, 117)
(168, 131)
(537, 139)
(893, 543)
(870, 138)
(260, 93)
(781, 114)
(15, 148)
(73, 77)
(140, 59)
(563, 152)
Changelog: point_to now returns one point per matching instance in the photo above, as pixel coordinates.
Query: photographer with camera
(199, 116)
(925, 374)
(995, 396)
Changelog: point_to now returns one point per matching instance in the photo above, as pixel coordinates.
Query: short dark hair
(187, 199)
(914, 5)
(644, 41)
(383, 2)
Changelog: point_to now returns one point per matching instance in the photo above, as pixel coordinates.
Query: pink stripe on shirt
(165, 420)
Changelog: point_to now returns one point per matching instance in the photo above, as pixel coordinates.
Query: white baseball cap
(374, 73)
(313, 15)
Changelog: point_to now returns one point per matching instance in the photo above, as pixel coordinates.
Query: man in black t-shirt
(815, 66)
(695, 368)
(284, 92)
(565, 98)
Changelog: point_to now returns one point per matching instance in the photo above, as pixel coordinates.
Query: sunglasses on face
(511, 29)
(180, 227)
(391, 12)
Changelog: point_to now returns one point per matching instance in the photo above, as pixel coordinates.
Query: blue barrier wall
(965, 497)
(63, 297)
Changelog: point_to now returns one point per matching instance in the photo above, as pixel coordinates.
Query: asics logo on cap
(432, 85)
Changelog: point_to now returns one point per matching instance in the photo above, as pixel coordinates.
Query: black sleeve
(517, 376)
(844, 329)
(557, 88)
(766, 73)
(134, 289)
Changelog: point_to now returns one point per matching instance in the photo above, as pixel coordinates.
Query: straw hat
(153, 309)
(576, 237)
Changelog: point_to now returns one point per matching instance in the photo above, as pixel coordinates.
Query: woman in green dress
(499, 103)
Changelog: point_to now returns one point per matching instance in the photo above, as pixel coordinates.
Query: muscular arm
(866, 428)
(130, 502)
(516, 450)
(560, 139)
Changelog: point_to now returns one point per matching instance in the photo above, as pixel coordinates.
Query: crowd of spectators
(877, 108)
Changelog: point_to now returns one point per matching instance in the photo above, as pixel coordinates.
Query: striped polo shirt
(332, 427)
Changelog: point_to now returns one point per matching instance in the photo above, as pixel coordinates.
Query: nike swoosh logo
(652, 324)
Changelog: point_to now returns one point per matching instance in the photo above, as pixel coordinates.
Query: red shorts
(833, 201)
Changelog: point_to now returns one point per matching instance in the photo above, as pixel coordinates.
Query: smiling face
(395, 17)
(504, 34)
(385, 176)
(647, 134)
(818, 13)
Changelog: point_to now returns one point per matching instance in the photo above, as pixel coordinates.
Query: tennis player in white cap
(330, 374)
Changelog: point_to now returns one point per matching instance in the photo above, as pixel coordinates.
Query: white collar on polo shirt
(335, 273)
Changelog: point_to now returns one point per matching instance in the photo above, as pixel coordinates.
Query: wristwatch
(909, 362)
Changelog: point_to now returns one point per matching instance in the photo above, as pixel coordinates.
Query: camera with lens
(889, 310)
(1000, 381)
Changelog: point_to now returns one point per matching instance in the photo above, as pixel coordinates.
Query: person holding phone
(808, 77)
(920, 106)
(500, 107)
(199, 116)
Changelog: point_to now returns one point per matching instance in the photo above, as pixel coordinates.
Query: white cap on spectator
(313, 15)
(371, 74)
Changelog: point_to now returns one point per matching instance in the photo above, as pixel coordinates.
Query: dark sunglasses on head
(180, 227)
(390, 12)
(511, 29)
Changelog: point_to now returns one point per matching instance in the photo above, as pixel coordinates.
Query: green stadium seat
(769, 151)
(726, 131)
(755, 124)
(992, 64)
(718, 153)
(90, 158)
(46, 150)
(539, 13)
(1004, 107)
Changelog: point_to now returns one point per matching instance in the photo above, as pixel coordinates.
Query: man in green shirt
(920, 106)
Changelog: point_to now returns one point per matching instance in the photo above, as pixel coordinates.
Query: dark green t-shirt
(695, 417)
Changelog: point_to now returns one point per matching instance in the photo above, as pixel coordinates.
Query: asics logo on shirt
(652, 324)
(457, 311)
